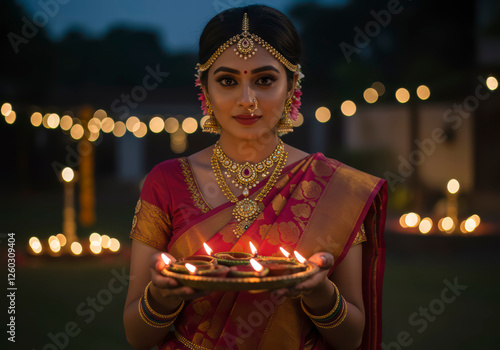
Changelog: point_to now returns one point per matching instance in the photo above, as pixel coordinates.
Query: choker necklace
(246, 175)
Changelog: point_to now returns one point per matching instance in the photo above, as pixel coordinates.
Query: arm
(319, 297)
(165, 296)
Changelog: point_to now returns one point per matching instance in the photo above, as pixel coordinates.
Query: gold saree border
(340, 206)
(194, 189)
(151, 225)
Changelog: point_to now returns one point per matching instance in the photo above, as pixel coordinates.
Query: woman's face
(234, 83)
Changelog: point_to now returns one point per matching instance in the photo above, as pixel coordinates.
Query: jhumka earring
(285, 123)
(211, 125)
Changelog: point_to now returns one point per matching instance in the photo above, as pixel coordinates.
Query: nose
(247, 99)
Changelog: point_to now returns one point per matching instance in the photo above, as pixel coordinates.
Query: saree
(318, 204)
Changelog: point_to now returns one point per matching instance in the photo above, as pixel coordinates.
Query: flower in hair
(201, 95)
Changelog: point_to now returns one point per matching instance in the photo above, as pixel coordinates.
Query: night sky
(178, 23)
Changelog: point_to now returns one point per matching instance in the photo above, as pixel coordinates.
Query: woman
(250, 186)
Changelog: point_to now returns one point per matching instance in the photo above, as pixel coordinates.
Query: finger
(323, 260)
(164, 282)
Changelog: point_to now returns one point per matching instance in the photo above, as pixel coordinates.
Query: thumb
(323, 260)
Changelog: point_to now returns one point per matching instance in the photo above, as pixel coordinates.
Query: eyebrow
(256, 70)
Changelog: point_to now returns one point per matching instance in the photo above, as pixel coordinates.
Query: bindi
(245, 72)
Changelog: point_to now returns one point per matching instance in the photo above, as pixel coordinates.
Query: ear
(293, 85)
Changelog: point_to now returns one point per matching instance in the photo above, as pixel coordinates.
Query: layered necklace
(246, 176)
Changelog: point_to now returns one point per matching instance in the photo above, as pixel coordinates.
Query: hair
(266, 22)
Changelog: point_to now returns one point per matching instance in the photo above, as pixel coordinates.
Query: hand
(167, 291)
(317, 282)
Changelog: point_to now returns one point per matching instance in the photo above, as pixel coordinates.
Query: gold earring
(285, 123)
(211, 125)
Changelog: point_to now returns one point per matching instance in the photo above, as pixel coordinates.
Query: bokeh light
(189, 125)
(6, 109)
(66, 122)
(423, 92)
(36, 119)
(425, 225)
(492, 83)
(11, 117)
(141, 131)
(171, 125)
(67, 174)
(76, 248)
(348, 108)
(453, 186)
(412, 219)
(156, 124)
(76, 131)
(379, 87)
(299, 121)
(133, 124)
(323, 114)
(53, 120)
(114, 245)
(107, 125)
(119, 129)
(402, 95)
(370, 95)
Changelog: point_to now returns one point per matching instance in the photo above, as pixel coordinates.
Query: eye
(226, 81)
(266, 80)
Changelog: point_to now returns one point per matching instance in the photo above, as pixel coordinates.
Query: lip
(246, 119)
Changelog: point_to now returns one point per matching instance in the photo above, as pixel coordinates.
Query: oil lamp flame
(285, 253)
(258, 267)
(208, 249)
(191, 268)
(253, 249)
(299, 257)
(165, 258)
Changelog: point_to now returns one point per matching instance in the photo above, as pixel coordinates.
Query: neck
(252, 151)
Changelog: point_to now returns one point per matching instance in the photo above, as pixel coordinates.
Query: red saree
(318, 204)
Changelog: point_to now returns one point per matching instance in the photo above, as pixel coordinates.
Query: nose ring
(253, 110)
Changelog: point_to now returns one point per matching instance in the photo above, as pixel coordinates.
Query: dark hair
(266, 22)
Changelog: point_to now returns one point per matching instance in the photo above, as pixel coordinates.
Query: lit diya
(253, 269)
(282, 267)
(233, 258)
(184, 266)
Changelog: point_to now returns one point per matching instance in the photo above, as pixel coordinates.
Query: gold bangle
(335, 323)
(151, 323)
(150, 309)
(321, 317)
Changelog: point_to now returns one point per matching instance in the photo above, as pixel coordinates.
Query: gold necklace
(246, 175)
(246, 210)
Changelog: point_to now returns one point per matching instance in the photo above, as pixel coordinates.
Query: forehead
(261, 58)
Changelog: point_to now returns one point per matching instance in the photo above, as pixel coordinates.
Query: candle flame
(299, 257)
(165, 258)
(285, 253)
(258, 267)
(253, 249)
(191, 268)
(208, 249)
